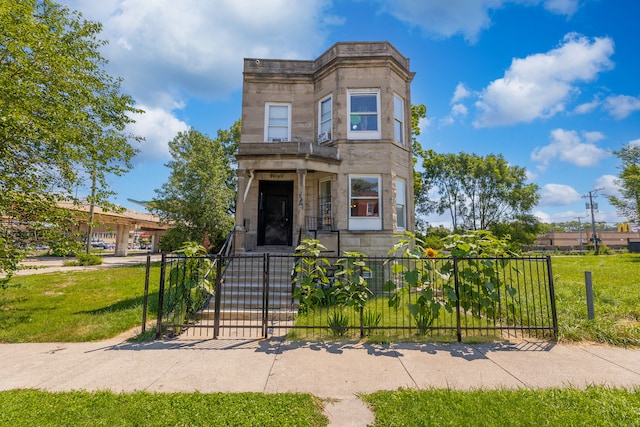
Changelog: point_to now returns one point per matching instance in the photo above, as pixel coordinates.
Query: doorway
(275, 213)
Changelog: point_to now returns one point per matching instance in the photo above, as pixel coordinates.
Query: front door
(275, 213)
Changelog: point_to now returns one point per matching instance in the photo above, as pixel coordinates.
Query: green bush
(85, 259)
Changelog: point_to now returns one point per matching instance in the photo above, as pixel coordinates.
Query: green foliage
(350, 288)
(479, 283)
(86, 259)
(521, 231)
(628, 203)
(370, 320)
(419, 295)
(310, 279)
(190, 285)
(200, 193)
(338, 323)
(104, 408)
(417, 112)
(62, 118)
(601, 406)
(476, 191)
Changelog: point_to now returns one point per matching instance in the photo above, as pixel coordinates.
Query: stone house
(325, 150)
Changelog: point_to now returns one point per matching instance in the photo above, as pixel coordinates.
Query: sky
(552, 85)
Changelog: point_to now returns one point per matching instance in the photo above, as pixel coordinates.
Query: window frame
(400, 121)
(364, 134)
(401, 200)
(325, 205)
(329, 99)
(368, 222)
(267, 125)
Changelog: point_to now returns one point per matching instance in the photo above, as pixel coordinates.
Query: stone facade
(325, 150)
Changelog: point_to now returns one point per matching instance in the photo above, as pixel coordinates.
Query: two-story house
(325, 150)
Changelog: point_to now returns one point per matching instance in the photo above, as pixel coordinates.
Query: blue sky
(552, 85)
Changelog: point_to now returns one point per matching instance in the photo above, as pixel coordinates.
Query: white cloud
(540, 85)
(634, 143)
(531, 176)
(609, 185)
(460, 93)
(459, 110)
(168, 52)
(568, 146)
(446, 121)
(621, 106)
(593, 136)
(158, 127)
(447, 18)
(587, 107)
(558, 195)
(561, 7)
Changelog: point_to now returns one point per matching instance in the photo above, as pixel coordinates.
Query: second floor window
(364, 114)
(325, 119)
(277, 126)
(398, 119)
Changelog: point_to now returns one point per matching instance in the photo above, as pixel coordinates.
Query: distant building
(325, 150)
(574, 240)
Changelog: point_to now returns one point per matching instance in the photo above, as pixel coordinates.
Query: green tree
(417, 112)
(478, 192)
(199, 196)
(628, 203)
(62, 120)
(522, 230)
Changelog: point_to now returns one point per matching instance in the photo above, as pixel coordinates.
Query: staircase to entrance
(254, 295)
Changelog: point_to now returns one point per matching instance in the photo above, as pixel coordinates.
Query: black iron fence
(352, 298)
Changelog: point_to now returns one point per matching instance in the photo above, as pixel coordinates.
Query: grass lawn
(596, 406)
(33, 407)
(616, 289)
(99, 304)
(75, 305)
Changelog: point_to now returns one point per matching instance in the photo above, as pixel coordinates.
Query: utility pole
(593, 194)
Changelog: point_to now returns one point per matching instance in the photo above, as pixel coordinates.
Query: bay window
(364, 114)
(364, 202)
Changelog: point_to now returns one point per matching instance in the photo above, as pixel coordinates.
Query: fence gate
(253, 298)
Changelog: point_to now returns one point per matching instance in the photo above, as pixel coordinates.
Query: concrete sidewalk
(336, 371)
(42, 265)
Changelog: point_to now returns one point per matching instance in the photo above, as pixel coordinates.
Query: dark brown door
(275, 213)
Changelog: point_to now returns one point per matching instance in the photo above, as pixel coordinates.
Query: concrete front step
(282, 314)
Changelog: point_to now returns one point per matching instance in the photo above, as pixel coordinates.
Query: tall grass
(616, 290)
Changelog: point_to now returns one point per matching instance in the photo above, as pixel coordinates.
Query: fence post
(145, 299)
(552, 297)
(589, 289)
(163, 263)
(265, 293)
(217, 295)
(455, 281)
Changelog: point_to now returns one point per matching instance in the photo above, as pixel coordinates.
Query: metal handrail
(224, 251)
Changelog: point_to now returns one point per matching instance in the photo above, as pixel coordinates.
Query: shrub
(85, 259)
